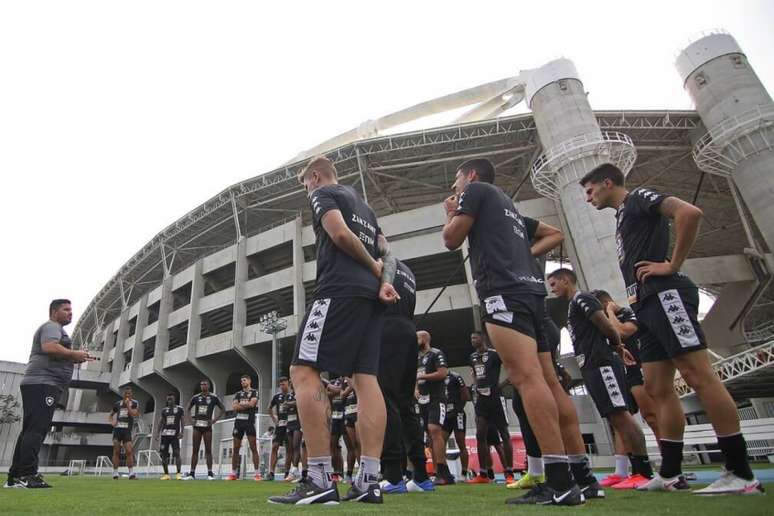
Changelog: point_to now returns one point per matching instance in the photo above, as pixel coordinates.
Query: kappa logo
(668, 297)
(673, 309)
(322, 302)
(49, 401)
(678, 320)
(685, 330)
(314, 325)
(311, 337)
(317, 313)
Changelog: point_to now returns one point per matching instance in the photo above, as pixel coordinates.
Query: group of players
(360, 331)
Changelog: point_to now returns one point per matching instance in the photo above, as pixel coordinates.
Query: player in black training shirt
(340, 333)
(201, 411)
(245, 402)
(597, 347)
(431, 386)
(279, 416)
(122, 418)
(457, 395)
(485, 368)
(397, 379)
(511, 288)
(666, 303)
(169, 428)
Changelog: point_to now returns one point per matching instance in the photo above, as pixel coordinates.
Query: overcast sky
(118, 118)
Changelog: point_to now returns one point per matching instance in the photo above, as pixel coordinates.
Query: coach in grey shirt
(48, 374)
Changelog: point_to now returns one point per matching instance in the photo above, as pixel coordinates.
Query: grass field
(86, 496)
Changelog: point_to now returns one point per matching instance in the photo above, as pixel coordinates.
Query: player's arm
(547, 237)
(440, 374)
(457, 226)
(252, 402)
(188, 416)
(624, 329)
(133, 409)
(218, 411)
(52, 347)
(343, 238)
(687, 219)
(274, 412)
(112, 417)
(464, 392)
(603, 324)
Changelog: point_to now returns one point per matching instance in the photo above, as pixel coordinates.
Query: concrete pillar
(574, 145)
(739, 115)
(118, 356)
(179, 381)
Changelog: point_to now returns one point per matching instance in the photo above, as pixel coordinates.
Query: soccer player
(294, 437)
(625, 323)
(511, 287)
(122, 418)
(245, 402)
(340, 333)
(457, 395)
(397, 380)
(485, 366)
(597, 347)
(279, 416)
(431, 384)
(335, 387)
(203, 406)
(666, 303)
(170, 429)
(350, 427)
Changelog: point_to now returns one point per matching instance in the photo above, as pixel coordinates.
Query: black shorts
(607, 387)
(168, 441)
(122, 435)
(491, 409)
(634, 376)
(337, 427)
(280, 435)
(202, 429)
(433, 413)
(669, 324)
(293, 426)
(350, 420)
(242, 428)
(523, 314)
(455, 422)
(493, 436)
(341, 336)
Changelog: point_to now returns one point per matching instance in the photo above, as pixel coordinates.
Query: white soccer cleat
(728, 483)
(658, 483)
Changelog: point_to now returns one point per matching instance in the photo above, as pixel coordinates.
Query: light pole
(272, 324)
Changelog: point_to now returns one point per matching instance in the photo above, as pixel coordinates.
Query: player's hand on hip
(646, 269)
(388, 295)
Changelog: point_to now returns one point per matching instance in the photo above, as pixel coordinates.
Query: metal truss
(735, 366)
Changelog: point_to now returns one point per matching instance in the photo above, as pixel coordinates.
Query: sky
(117, 118)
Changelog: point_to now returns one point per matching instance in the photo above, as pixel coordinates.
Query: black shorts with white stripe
(456, 421)
(669, 324)
(607, 387)
(341, 336)
(522, 313)
(433, 413)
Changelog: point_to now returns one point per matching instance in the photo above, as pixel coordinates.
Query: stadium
(221, 291)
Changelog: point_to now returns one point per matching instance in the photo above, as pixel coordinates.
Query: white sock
(368, 472)
(622, 465)
(320, 470)
(131, 470)
(535, 466)
(115, 471)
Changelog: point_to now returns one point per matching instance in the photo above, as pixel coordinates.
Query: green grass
(96, 496)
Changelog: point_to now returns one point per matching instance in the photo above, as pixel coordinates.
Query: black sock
(671, 458)
(210, 473)
(304, 474)
(557, 474)
(509, 471)
(641, 465)
(482, 473)
(349, 472)
(490, 473)
(580, 467)
(734, 450)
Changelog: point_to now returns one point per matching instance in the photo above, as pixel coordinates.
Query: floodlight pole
(272, 324)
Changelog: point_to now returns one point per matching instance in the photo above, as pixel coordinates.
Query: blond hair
(321, 164)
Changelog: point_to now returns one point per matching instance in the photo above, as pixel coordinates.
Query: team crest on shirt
(485, 357)
(49, 401)
(425, 359)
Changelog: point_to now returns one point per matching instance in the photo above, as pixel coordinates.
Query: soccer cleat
(657, 483)
(509, 478)
(189, 476)
(480, 479)
(165, 476)
(611, 480)
(728, 483)
(290, 477)
(257, 477)
(231, 476)
(307, 493)
(116, 476)
(12, 483)
(210, 476)
(388, 488)
(31, 482)
(543, 494)
(270, 476)
(444, 481)
(593, 490)
(527, 481)
(179, 476)
(632, 482)
(132, 476)
(373, 494)
(426, 486)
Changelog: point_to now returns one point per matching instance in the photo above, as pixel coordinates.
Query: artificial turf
(89, 495)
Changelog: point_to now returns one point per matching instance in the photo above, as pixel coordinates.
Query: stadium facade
(189, 304)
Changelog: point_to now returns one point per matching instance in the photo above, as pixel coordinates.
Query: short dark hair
(246, 376)
(564, 273)
(604, 171)
(203, 380)
(171, 394)
(601, 294)
(282, 379)
(483, 166)
(56, 304)
(128, 388)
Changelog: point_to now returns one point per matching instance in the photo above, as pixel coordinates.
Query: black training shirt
(338, 274)
(455, 384)
(291, 407)
(486, 371)
(204, 406)
(337, 402)
(406, 285)
(171, 421)
(642, 234)
(591, 347)
(626, 315)
(124, 420)
(499, 245)
(243, 397)
(429, 363)
(278, 400)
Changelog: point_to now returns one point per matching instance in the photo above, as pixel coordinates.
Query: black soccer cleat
(31, 482)
(543, 494)
(371, 495)
(308, 493)
(592, 491)
(441, 480)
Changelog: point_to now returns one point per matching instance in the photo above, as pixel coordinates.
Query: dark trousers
(39, 404)
(397, 379)
(530, 441)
